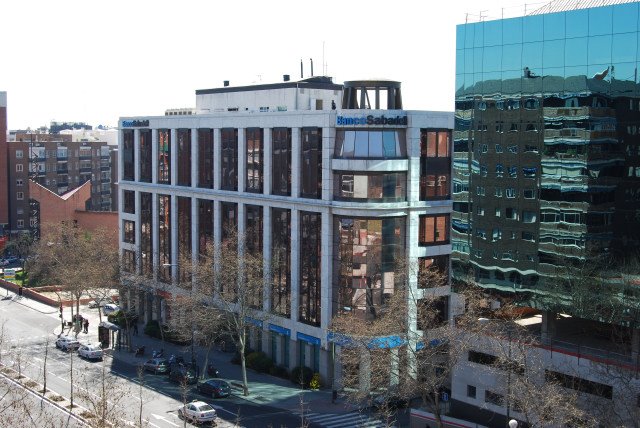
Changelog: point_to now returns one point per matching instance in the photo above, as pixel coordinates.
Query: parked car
(67, 343)
(214, 387)
(110, 308)
(181, 374)
(90, 352)
(198, 412)
(100, 303)
(156, 365)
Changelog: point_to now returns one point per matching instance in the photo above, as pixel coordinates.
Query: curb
(69, 412)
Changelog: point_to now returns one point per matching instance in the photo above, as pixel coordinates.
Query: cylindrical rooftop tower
(357, 94)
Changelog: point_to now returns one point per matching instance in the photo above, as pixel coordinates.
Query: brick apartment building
(59, 164)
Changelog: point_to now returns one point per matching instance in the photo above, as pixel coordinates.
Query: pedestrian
(86, 325)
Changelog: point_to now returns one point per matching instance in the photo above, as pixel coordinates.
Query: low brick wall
(32, 293)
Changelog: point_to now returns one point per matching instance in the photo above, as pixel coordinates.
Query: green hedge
(301, 376)
(279, 371)
(259, 361)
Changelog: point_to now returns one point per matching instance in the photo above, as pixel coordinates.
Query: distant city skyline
(91, 63)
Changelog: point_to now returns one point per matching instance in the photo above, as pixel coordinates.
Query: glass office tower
(546, 149)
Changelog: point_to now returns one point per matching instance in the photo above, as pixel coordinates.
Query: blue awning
(280, 330)
(309, 339)
(257, 323)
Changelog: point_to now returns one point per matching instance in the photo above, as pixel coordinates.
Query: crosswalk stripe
(329, 418)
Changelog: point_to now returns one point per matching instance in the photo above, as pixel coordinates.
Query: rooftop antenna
(301, 69)
(324, 72)
(311, 59)
(482, 16)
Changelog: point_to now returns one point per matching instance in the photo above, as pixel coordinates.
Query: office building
(546, 186)
(4, 196)
(340, 177)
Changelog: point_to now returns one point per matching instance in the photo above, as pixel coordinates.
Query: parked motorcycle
(212, 371)
(139, 351)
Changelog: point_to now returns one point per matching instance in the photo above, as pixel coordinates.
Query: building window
(19, 167)
(373, 144)
(129, 231)
(281, 161)
(254, 229)
(205, 227)
(129, 201)
(129, 261)
(529, 193)
(205, 158)
(19, 196)
(579, 384)
(229, 143)
(379, 187)
(471, 391)
(281, 258)
(310, 278)
(432, 312)
(255, 153)
(497, 211)
(529, 216)
(229, 219)
(184, 239)
(128, 155)
(528, 236)
(497, 192)
(480, 190)
(499, 170)
(496, 234)
(19, 154)
(434, 229)
(435, 164)
(184, 157)
(433, 271)
(310, 275)
(19, 182)
(498, 148)
(146, 157)
(364, 275)
(164, 157)
(20, 224)
(493, 398)
(164, 237)
(146, 249)
(510, 192)
(311, 164)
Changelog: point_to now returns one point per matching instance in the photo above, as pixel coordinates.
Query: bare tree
(75, 259)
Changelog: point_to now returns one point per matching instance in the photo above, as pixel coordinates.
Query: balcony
(85, 170)
(105, 192)
(62, 170)
(105, 168)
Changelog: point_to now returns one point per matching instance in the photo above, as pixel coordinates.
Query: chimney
(286, 77)
(225, 83)
(311, 66)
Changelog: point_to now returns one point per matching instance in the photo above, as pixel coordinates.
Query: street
(28, 338)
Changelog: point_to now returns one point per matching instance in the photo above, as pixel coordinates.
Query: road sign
(445, 397)
(9, 274)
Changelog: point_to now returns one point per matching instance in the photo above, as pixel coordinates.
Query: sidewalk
(264, 389)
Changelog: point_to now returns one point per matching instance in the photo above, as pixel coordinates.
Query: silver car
(198, 412)
(90, 352)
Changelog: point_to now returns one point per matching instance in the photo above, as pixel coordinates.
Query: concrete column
(174, 156)
(328, 142)
(242, 159)
(266, 172)
(174, 238)
(138, 208)
(136, 155)
(295, 162)
(154, 233)
(194, 234)
(195, 164)
(326, 266)
(120, 155)
(154, 156)
(365, 372)
(394, 377)
(547, 327)
(295, 264)
(217, 160)
(266, 251)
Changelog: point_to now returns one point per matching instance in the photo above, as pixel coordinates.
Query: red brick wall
(4, 174)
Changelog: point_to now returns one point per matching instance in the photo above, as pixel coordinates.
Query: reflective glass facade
(164, 156)
(364, 267)
(184, 157)
(546, 145)
(127, 155)
(145, 155)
